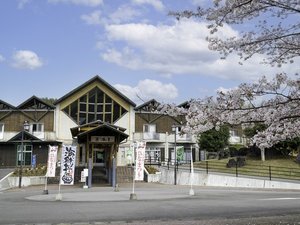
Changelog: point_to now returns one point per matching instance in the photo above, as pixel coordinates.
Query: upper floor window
(234, 133)
(37, 129)
(1, 130)
(149, 128)
(95, 105)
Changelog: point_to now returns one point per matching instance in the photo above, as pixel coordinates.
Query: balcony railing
(151, 136)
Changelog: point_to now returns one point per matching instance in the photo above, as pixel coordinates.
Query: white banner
(51, 164)
(68, 159)
(139, 162)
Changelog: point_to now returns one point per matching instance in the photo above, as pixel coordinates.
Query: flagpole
(192, 193)
(46, 190)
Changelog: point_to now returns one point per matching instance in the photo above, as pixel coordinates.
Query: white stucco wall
(63, 123)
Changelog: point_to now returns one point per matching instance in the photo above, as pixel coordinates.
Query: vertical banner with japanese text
(139, 162)
(51, 164)
(68, 159)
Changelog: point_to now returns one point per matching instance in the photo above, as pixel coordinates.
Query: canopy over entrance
(100, 131)
(99, 142)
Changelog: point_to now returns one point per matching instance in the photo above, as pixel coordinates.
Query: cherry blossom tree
(275, 23)
(276, 102)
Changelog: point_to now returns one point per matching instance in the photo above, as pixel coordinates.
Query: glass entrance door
(98, 157)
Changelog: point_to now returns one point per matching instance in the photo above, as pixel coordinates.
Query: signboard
(140, 158)
(68, 159)
(82, 178)
(33, 161)
(180, 153)
(102, 139)
(51, 164)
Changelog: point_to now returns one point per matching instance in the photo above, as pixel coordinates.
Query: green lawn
(283, 168)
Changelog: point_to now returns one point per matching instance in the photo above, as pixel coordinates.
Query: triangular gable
(95, 79)
(102, 130)
(89, 126)
(4, 106)
(149, 106)
(35, 103)
(26, 137)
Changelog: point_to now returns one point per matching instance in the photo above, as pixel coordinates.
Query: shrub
(233, 151)
(151, 169)
(40, 170)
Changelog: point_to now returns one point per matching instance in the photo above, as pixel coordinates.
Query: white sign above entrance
(102, 139)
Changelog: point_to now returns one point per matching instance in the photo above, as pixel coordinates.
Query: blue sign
(33, 161)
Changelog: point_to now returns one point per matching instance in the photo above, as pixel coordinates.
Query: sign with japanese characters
(51, 164)
(139, 162)
(68, 159)
(102, 139)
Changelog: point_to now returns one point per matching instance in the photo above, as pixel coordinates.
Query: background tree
(275, 23)
(213, 140)
(49, 100)
(276, 102)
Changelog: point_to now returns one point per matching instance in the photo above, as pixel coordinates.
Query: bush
(223, 154)
(298, 158)
(212, 155)
(40, 170)
(239, 162)
(151, 169)
(233, 151)
(243, 151)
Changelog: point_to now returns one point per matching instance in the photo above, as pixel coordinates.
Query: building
(162, 133)
(36, 139)
(104, 124)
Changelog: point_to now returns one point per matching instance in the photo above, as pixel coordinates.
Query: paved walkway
(143, 191)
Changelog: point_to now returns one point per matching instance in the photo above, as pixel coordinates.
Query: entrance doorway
(99, 157)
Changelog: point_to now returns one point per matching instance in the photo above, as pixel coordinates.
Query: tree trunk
(262, 153)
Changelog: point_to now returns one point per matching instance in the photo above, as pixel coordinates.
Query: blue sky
(49, 47)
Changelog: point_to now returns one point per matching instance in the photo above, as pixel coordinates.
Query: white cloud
(180, 48)
(225, 90)
(91, 3)
(24, 59)
(22, 3)
(93, 18)
(198, 2)
(148, 89)
(157, 4)
(123, 14)
(2, 59)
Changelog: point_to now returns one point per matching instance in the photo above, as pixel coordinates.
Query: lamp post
(174, 129)
(25, 128)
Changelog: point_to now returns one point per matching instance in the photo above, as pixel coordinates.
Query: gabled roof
(26, 137)
(102, 129)
(96, 79)
(6, 106)
(184, 105)
(35, 103)
(76, 130)
(148, 106)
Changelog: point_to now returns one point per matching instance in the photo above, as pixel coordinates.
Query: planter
(154, 177)
(26, 181)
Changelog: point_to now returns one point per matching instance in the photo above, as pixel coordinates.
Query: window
(94, 105)
(27, 154)
(37, 129)
(234, 133)
(149, 128)
(1, 130)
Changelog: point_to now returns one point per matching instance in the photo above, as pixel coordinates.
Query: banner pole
(45, 192)
(192, 193)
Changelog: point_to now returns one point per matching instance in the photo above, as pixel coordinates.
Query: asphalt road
(209, 206)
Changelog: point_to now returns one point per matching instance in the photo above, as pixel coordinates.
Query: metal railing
(249, 170)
